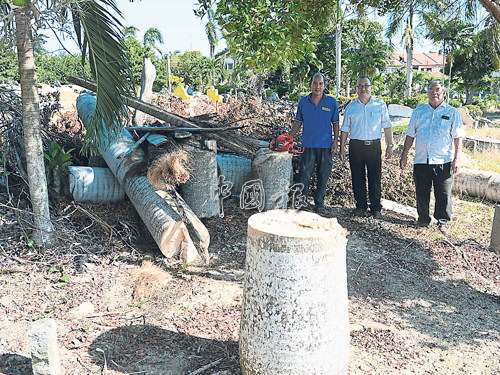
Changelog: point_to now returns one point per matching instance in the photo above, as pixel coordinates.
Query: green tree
(152, 37)
(473, 63)
(268, 34)
(8, 63)
(93, 21)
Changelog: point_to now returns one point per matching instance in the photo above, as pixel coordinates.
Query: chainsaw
(285, 143)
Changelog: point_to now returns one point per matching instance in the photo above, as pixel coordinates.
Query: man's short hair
(435, 82)
(365, 77)
(316, 75)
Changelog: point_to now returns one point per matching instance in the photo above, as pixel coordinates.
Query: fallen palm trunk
(481, 184)
(232, 142)
(160, 216)
(94, 184)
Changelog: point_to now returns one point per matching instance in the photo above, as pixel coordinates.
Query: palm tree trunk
(409, 50)
(44, 231)
(449, 79)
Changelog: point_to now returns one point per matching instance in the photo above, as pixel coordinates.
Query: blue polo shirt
(317, 121)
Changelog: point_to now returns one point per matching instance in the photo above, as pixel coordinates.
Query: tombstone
(399, 110)
(495, 231)
(466, 117)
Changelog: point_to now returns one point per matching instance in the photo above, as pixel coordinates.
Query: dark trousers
(363, 156)
(321, 158)
(441, 176)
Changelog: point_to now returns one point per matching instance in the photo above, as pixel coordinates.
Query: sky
(180, 28)
(175, 19)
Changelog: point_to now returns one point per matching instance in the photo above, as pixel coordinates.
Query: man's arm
(404, 155)
(335, 141)
(455, 164)
(343, 139)
(388, 139)
(295, 127)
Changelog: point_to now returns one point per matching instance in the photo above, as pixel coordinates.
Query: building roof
(419, 59)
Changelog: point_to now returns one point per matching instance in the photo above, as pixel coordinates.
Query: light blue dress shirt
(434, 131)
(366, 121)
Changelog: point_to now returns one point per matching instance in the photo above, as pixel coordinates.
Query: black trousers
(321, 158)
(366, 160)
(441, 176)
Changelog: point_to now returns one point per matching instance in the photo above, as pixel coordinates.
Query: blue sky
(180, 28)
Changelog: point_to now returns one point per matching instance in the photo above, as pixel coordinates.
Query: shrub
(224, 89)
(411, 102)
(455, 103)
(474, 110)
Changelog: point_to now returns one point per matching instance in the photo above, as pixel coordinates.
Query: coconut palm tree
(97, 32)
(152, 36)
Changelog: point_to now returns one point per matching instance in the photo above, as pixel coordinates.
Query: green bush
(474, 110)
(400, 129)
(224, 89)
(455, 103)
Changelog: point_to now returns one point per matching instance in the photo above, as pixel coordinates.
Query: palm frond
(98, 32)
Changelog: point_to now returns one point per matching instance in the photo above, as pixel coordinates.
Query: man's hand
(333, 148)
(388, 152)
(455, 166)
(403, 161)
(342, 154)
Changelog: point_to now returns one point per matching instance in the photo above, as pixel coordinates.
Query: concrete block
(44, 350)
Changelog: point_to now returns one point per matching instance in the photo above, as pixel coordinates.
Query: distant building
(229, 63)
(428, 62)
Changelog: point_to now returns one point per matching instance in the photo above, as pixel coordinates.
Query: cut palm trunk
(147, 78)
(201, 190)
(274, 170)
(160, 216)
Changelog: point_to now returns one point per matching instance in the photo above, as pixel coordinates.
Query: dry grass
(147, 280)
(169, 170)
(484, 133)
(484, 161)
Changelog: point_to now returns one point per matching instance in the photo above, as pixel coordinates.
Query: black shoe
(359, 212)
(421, 225)
(377, 215)
(320, 211)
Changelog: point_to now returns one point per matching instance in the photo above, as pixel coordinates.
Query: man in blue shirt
(317, 113)
(364, 119)
(437, 129)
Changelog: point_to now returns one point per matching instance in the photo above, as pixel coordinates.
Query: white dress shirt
(366, 121)
(434, 131)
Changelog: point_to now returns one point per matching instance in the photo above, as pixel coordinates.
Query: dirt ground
(418, 303)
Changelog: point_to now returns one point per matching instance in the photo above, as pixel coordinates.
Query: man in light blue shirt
(364, 119)
(437, 129)
(318, 115)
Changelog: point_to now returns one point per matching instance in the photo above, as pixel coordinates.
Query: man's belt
(367, 143)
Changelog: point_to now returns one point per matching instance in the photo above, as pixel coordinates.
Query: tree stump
(294, 312)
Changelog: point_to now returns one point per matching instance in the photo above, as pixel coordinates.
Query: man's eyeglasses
(438, 91)
(363, 86)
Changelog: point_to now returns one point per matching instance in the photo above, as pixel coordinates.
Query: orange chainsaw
(285, 143)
